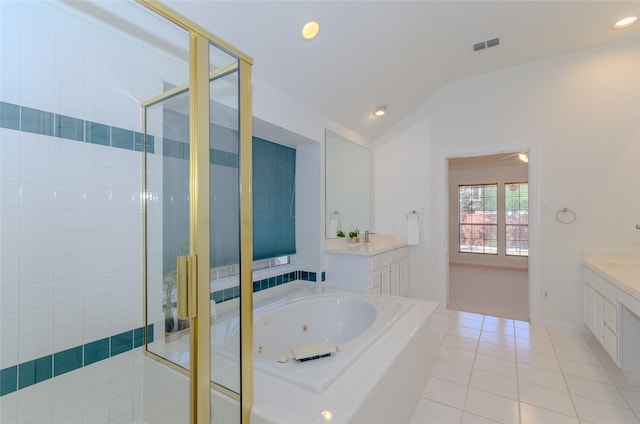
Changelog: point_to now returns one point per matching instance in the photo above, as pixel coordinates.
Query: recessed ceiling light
(310, 30)
(379, 111)
(626, 22)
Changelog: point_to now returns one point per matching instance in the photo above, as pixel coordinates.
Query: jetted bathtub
(386, 347)
(350, 322)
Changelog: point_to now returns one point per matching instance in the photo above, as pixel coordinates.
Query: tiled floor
(499, 370)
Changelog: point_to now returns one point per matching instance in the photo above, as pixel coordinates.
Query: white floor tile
(620, 379)
(497, 351)
(531, 414)
(495, 366)
(633, 398)
(498, 328)
(496, 384)
(492, 407)
(547, 398)
(522, 324)
(578, 355)
(461, 343)
(595, 390)
(588, 371)
(445, 392)
(428, 412)
(494, 370)
(541, 377)
(536, 346)
(469, 323)
(600, 412)
(460, 357)
(532, 332)
(470, 315)
(452, 372)
(568, 338)
(499, 339)
(497, 320)
(538, 360)
(468, 333)
(468, 418)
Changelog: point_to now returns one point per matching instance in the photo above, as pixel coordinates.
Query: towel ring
(565, 216)
(413, 213)
(334, 213)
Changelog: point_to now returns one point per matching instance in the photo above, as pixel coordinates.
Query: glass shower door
(167, 224)
(194, 233)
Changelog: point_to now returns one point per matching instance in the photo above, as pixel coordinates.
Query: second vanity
(612, 306)
(381, 266)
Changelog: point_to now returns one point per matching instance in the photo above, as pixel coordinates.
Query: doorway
(488, 234)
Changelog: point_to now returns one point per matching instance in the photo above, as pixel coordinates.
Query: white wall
(580, 111)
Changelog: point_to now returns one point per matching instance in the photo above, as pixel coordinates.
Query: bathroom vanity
(381, 266)
(612, 306)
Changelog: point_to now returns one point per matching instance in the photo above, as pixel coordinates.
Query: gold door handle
(186, 267)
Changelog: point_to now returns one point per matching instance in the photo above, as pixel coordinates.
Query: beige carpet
(501, 292)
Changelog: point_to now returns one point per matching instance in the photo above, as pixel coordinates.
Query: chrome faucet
(366, 235)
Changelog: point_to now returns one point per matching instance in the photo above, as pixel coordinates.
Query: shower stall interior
(125, 145)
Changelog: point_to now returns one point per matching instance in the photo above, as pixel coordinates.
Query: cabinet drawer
(610, 317)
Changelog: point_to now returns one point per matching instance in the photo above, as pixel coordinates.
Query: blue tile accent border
(32, 372)
(8, 380)
(36, 371)
(267, 283)
(67, 360)
(22, 118)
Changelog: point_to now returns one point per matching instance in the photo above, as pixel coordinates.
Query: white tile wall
(70, 227)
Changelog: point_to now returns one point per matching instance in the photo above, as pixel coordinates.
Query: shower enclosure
(197, 224)
(90, 324)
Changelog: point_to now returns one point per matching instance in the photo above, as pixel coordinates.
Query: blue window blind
(274, 170)
(273, 191)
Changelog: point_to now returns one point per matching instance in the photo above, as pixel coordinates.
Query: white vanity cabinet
(600, 312)
(375, 272)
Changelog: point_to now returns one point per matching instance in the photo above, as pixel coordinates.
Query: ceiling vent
(486, 44)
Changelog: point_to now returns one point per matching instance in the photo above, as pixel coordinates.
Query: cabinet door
(587, 307)
(610, 319)
(610, 343)
(394, 279)
(404, 277)
(385, 287)
(598, 315)
(374, 282)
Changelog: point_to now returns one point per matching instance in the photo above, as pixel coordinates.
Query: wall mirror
(347, 185)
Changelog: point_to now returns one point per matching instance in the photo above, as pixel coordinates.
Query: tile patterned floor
(496, 370)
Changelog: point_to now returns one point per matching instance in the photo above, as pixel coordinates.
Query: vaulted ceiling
(398, 53)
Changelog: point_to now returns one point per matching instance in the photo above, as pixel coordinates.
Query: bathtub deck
(381, 386)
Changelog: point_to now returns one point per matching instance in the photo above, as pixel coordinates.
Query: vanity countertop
(620, 268)
(378, 245)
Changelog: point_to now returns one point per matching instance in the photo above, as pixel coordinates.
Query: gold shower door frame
(200, 340)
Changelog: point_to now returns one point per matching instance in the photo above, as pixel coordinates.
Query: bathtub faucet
(367, 233)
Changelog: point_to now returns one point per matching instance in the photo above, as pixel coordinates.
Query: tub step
(313, 351)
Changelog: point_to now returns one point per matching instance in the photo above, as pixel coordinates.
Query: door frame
(535, 296)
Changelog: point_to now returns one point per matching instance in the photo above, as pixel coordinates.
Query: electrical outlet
(547, 294)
